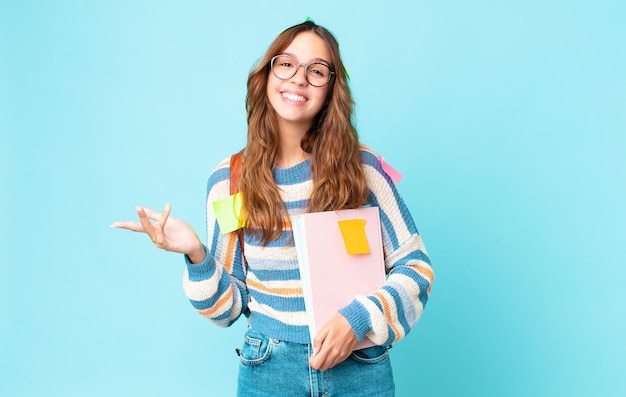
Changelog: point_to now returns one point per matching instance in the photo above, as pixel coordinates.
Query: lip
(285, 94)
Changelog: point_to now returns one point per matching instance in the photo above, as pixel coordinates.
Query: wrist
(197, 254)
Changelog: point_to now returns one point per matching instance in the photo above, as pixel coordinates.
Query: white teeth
(294, 97)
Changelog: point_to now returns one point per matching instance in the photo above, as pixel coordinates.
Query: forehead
(307, 46)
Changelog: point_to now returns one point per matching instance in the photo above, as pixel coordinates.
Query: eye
(284, 62)
(319, 69)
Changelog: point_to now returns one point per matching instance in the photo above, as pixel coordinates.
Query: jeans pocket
(370, 355)
(256, 348)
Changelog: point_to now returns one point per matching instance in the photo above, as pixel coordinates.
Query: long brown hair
(338, 180)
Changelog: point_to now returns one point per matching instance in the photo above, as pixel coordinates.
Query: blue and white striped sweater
(221, 288)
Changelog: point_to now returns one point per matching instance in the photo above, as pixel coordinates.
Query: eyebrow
(314, 60)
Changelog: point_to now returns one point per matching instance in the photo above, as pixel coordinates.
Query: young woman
(302, 155)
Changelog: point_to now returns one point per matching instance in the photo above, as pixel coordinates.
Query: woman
(302, 155)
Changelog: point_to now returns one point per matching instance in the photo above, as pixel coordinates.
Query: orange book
(340, 256)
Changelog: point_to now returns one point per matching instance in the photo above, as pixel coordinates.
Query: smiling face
(295, 101)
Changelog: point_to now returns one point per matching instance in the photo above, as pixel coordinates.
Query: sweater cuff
(203, 270)
(358, 317)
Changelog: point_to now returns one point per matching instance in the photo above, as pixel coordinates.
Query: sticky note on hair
(229, 213)
(389, 170)
(354, 237)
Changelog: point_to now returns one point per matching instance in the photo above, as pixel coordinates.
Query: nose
(300, 78)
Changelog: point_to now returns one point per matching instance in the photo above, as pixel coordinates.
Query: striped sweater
(269, 291)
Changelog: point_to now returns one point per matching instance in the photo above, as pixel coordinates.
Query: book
(340, 256)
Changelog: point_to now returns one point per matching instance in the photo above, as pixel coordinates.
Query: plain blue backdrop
(507, 119)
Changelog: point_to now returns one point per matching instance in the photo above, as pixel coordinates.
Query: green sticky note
(354, 237)
(228, 213)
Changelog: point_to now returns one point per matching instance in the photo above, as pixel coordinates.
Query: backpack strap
(235, 173)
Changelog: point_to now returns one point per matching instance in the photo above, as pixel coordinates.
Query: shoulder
(368, 156)
(370, 160)
(218, 183)
(379, 182)
(221, 171)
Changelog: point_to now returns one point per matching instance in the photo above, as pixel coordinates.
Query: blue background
(507, 119)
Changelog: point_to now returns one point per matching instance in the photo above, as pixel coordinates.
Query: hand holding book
(333, 343)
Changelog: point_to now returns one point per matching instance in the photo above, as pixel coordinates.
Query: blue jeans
(272, 368)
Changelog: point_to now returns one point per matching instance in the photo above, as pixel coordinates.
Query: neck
(291, 152)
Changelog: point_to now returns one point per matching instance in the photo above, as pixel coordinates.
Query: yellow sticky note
(353, 233)
(228, 213)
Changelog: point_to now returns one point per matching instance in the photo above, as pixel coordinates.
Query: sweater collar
(298, 173)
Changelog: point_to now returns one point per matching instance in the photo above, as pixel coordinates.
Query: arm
(216, 286)
(389, 313)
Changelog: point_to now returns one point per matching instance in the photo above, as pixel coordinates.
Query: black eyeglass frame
(305, 66)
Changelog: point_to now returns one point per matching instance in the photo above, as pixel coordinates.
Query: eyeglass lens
(285, 67)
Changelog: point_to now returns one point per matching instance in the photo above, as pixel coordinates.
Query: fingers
(133, 226)
(319, 356)
(165, 213)
(160, 225)
(321, 361)
(146, 214)
(328, 357)
(151, 214)
(145, 222)
(154, 230)
(319, 340)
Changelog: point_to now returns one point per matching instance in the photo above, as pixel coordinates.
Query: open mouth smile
(293, 97)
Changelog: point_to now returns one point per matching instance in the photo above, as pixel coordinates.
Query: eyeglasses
(285, 67)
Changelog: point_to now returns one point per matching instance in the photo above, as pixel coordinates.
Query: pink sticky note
(392, 172)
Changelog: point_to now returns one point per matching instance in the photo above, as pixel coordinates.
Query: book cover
(340, 256)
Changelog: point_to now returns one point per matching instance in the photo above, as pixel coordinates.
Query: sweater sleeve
(389, 313)
(216, 287)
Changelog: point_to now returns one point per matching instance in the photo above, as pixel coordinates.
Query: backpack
(235, 173)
